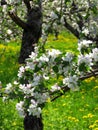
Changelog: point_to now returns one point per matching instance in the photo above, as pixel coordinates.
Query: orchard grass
(72, 111)
(9, 118)
(65, 42)
(8, 61)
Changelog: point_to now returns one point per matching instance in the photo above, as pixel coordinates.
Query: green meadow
(73, 111)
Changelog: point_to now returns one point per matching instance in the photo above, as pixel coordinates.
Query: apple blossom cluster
(94, 54)
(31, 97)
(82, 44)
(71, 82)
(32, 87)
(88, 56)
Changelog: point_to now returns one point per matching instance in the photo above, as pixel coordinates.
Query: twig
(66, 89)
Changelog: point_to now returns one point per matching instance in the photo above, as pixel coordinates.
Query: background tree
(31, 28)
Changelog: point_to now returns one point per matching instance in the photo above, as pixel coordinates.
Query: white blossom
(53, 15)
(4, 8)
(44, 37)
(4, 98)
(62, 20)
(34, 111)
(94, 54)
(20, 108)
(68, 57)
(46, 77)
(54, 53)
(41, 97)
(15, 82)
(84, 44)
(21, 71)
(85, 31)
(33, 55)
(34, 104)
(29, 65)
(55, 88)
(9, 31)
(8, 88)
(71, 82)
(43, 58)
(26, 89)
(36, 79)
(85, 59)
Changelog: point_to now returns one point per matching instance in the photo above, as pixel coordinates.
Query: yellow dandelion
(84, 117)
(96, 121)
(48, 100)
(96, 87)
(95, 128)
(14, 123)
(96, 81)
(90, 115)
(87, 105)
(90, 79)
(73, 119)
(1, 46)
(96, 108)
(63, 96)
(92, 126)
(82, 97)
(76, 120)
(69, 118)
(64, 104)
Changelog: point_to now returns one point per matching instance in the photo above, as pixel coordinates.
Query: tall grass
(73, 111)
(9, 118)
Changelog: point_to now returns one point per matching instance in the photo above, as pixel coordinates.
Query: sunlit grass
(65, 42)
(9, 118)
(74, 110)
(8, 62)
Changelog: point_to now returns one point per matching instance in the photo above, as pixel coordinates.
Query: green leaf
(82, 67)
(55, 69)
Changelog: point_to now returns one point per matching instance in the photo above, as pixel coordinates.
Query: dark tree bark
(3, 2)
(33, 123)
(31, 33)
(31, 29)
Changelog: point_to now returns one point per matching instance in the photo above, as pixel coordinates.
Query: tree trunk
(31, 33)
(33, 123)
